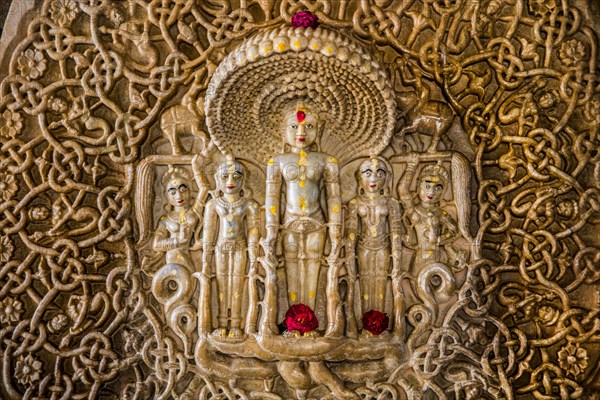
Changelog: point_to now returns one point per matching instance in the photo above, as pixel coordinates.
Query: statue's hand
(182, 235)
(271, 238)
(412, 159)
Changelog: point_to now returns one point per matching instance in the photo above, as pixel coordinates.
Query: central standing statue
(300, 173)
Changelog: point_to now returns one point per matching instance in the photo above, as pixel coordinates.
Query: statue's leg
(381, 267)
(290, 252)
(221, 261)
(364, 277)
(314, 245)
(237, 288)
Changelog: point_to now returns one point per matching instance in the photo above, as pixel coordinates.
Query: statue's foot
(292, 334)
(235, 333)
(311, 334)
(220, 332)
(365, 334)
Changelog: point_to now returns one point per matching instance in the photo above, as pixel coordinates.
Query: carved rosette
(322, 67)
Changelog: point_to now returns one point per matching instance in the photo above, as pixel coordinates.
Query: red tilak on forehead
(300, 115)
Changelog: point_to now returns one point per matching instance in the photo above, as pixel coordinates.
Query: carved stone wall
(123, 277)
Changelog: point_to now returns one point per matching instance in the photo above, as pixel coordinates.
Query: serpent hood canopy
(324, 69)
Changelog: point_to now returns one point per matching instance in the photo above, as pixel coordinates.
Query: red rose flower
(305, 19)
(375, 322)
(301, 318)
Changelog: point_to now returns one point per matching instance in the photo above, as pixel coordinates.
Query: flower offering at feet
(301, 318)
(375, 322)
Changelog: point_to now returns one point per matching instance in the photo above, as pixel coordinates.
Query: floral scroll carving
(368, 200)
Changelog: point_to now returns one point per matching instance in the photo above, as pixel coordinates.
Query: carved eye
(380, 174)
(308, 126)
(183, 188)
(172, 191)
(224, 177)
(293, 126)
(439, 188)
(367, 174)
(237, 176)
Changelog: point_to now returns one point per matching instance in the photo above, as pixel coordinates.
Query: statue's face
(431, 189)
(301, 129)
(230, 177)
(39, 213)
(178, 193)
(373, 175)
(565, 209)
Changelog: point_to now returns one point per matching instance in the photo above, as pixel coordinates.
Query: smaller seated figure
(374, 220)
(181, 224)
(231, 221)
(430, 228)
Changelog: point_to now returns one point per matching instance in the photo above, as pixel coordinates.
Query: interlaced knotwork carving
(96, 88)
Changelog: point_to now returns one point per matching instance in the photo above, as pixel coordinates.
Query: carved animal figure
(186, 117)
(423, 116)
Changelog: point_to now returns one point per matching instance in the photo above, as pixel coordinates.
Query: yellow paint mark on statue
(311, 294)
(302, 202)
(281, 46)
(221, 295)
(366, 297)
(332, 160)
(270, 162)
(301, 183)
(302, 159)
(293, 296)
(352, 235)
(230, 218)
(182, 217)
(336, 208)
(273, 210)
(373, 231)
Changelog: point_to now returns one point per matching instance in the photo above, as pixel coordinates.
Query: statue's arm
(334, 201)
(162, 242)
(395, 219)
(351, 225)
(209, 234)
(449, 231)
(273, 200)
(404, 185)
(253, 223)
(202, 182)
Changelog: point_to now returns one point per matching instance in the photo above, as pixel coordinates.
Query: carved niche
(299, 200)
